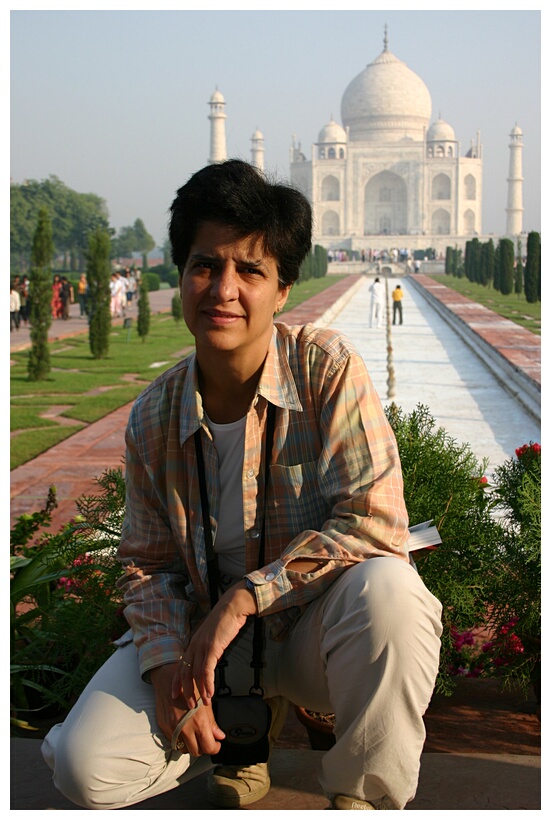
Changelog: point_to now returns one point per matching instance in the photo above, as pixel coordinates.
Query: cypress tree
(40, 295)
(489, 254)
(507, 266)
(449, 260)
(99, 294)
(519, 271)
(458, 267)
(144, 312)
(497, 268)
(532, 273)
(468, 257)
(176, 307)
(320, 257)
(476, 275)
(306, 268)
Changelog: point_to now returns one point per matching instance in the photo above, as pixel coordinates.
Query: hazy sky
(116, 102)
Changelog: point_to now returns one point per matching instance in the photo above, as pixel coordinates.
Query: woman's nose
(225, 284)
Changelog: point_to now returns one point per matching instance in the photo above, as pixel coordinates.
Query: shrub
(176, 308)
(65, 608)
(444, 481)
(152, 280)
(144, 311)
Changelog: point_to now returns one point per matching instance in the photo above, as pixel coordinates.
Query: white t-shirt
(229, 440)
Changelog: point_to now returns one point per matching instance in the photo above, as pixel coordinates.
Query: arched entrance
(385, 204)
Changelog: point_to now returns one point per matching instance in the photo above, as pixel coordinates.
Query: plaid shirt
(335, 491)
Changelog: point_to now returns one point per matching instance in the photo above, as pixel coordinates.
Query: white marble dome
(217, 97)
(332, 132)
(258, 135)
(386, 102)
(440, 131)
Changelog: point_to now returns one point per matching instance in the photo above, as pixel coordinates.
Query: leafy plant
(444, 481)
(65, 608)
(514, 584)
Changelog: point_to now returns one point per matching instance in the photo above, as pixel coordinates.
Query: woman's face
(230, 292)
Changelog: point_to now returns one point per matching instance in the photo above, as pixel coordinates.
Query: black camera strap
(212, 560)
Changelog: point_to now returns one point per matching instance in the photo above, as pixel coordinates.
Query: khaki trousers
(366, 650)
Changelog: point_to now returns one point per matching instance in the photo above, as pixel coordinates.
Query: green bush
(166, 273)
(153, 280)
(487, 571)
(65, 608)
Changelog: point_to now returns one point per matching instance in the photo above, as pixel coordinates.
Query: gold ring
(180, 746)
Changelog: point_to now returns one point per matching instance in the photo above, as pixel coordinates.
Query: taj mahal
(386, 176)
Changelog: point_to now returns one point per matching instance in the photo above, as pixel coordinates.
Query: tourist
(349, 627)
(66, 294)
(57, 302)
(377, 302)
(24, 310)
(130, 287)
(15, 305)
(82, 291)
(397, 296)
(118, 292)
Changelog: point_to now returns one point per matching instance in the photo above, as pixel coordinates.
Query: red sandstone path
(73, 464)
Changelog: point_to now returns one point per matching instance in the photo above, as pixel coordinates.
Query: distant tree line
(74, 218)
(500, 267)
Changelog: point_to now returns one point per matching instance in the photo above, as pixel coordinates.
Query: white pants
(376, 313)
(366, 650)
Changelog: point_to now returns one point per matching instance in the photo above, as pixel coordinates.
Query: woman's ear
(282, 299)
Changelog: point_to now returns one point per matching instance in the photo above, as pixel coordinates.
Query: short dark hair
(236, 194)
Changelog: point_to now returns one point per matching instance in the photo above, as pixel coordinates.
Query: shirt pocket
(298, 502)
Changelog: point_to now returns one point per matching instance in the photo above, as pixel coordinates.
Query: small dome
(440, 131)
(517, 131)
(217, 97)
(258, 135)
(332, 132)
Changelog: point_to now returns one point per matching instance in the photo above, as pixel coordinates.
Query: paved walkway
(432, 366)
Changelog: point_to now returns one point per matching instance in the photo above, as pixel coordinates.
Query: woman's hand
(207, 646)
(201, 734)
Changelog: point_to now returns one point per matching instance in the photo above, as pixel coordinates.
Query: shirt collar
(276, 384)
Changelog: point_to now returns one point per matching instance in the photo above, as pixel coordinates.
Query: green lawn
(513, 307)
(86, 389)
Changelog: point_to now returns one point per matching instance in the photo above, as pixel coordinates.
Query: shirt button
(250, 473)
(270, 576)
(254, 533)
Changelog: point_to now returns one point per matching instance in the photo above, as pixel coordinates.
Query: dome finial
(385, 41)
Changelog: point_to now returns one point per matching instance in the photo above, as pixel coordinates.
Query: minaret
(217, 119)
(514, 182)
(257, 150)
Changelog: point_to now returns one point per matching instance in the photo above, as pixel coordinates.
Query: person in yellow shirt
(397, 296)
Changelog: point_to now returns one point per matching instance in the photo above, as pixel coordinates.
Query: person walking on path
(82, 293)
(57, 302)
(397, 296)
(219, 449)
(377, 302)
(66, 295)
(15, 306)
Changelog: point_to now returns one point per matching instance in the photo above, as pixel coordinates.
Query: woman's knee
(386, 595)
(76, 765)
